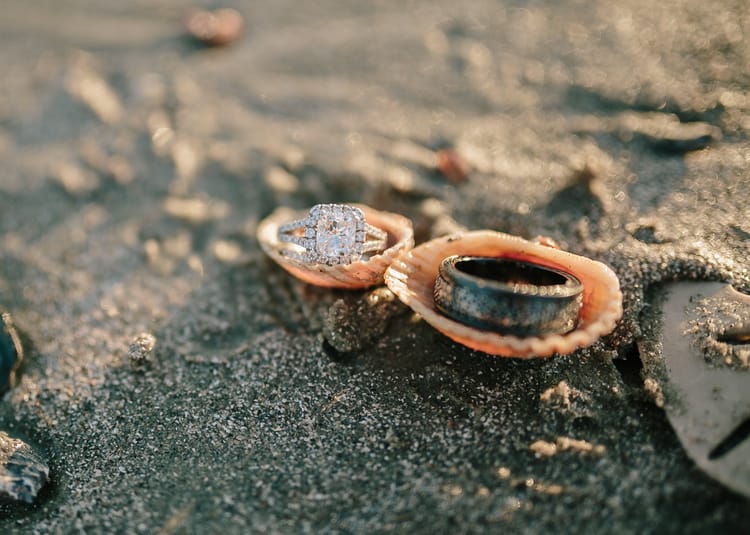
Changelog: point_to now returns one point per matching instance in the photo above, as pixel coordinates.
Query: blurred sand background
(136, 164)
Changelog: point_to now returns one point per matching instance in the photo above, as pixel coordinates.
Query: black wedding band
(508, 296)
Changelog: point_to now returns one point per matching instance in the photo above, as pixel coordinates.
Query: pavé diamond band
(331, 234)
(312, 246)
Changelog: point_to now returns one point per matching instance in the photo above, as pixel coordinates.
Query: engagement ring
(331, 234)
(345, 246)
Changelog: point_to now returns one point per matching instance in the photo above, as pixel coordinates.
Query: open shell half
(412, 279)
(360, 274)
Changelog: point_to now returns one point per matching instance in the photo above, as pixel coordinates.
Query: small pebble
(227, 251)
(543, 448)
(11, 352)
(91, 88)
(653, 387)
(281, 181)
(679, 138)
(75, 179)
(141, 348)
(548, 449)
(215, 28)
(195, 210)
(559, 394)
(22, 472)
(580, 446)
(452, 165)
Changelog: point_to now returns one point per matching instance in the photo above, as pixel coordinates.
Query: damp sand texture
(137, 163)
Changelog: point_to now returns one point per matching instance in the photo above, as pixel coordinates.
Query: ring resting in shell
(356, 275)
(507, 296)
(412, 278)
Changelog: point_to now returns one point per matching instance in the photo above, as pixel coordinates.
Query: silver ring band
(507, 296)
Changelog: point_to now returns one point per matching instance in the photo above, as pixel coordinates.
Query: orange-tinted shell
(361, 274)
(412, 278)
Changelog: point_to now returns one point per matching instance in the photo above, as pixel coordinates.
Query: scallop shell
(22, 471)
(360, 274)
(412, 278)
(11, 352)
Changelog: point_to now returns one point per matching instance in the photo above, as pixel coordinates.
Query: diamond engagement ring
(347, 246)
(332, 234)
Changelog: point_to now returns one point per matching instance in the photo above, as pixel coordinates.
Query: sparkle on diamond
(336, 234)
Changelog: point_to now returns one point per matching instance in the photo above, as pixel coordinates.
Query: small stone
(503, 472)
(668, 134)
(654, 389)
(580, 446)
(452, 165)
(76, 180)
(281, 181)
(91, 88)
(548, 449)
(678, 137)
(141, 348)
(483, 492)
(227, 251)
(548, 489)
(433, 208)
(11, 352)
(401, 179)
(215, 28)
(560, 395)
(543, 448)
(22, 471)
(195, 210)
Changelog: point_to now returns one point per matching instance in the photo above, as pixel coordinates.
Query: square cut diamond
(338, 233)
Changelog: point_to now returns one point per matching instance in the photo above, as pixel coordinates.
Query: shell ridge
(412, 278)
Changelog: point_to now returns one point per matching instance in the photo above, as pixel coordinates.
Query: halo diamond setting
(331, 234)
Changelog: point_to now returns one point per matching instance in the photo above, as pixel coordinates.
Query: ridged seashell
(22, 471)
(412, 278)
(360, 274)
(11, 352)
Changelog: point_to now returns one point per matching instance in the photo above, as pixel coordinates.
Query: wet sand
(137, 164)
